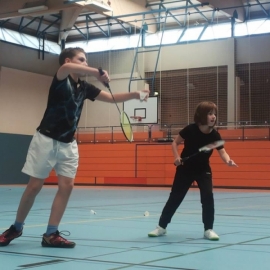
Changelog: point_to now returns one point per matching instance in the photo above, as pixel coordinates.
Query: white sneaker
(211, 235)
(157, 232)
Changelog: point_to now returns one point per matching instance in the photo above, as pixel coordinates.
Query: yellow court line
(86, 221)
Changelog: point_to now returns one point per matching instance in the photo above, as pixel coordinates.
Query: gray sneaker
(159, 231)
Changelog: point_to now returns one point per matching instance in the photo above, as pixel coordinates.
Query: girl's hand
(177, 161)
(232, 163)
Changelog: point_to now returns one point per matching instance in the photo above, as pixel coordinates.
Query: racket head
(212, 146)
(126, 126)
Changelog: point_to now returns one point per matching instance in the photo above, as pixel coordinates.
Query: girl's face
(211, 118)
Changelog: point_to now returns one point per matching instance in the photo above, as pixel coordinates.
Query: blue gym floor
(116, 236)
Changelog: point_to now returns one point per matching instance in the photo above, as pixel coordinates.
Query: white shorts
(45, 154)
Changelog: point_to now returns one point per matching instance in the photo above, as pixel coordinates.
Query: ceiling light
(32, 9)
(96, 5)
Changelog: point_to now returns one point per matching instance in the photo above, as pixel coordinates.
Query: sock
(51, 229)
(18, 225)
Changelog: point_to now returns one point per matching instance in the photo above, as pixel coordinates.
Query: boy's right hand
(104, 78)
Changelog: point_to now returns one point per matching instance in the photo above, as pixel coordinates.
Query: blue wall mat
(13, 153)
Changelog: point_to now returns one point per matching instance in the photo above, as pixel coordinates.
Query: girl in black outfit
(197, 168)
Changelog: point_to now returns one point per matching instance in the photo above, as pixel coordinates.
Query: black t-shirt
(64, 107)
(193, 140)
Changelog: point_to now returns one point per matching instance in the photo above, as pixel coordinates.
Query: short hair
(69, 53)
(202, 110)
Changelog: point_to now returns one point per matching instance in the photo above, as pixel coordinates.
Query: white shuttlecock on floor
(146, 214)
(93, 212)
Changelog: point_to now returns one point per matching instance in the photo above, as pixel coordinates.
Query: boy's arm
(175, 143)
(81, 70)
(226, 158)
(121, 97)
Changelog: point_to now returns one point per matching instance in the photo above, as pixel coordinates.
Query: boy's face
(79, 59)
(211, 118)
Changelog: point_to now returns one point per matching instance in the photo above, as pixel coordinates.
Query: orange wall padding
(245, 133)
(152, 165)
(116, 136)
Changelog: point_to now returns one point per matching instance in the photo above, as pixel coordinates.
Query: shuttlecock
(143, 96)
(146, 213)
(93, 212)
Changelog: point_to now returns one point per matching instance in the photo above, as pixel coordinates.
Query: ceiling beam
(122, 7)
(228, 8)
(69, 17)
(70, 12)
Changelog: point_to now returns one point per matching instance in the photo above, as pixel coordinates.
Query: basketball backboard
(145, 111)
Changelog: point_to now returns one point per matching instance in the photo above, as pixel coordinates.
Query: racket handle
(101, 72)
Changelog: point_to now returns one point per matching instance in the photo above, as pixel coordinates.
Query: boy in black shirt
(197, 169)
(53, 144)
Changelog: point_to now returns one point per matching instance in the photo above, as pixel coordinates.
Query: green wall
(13, 153)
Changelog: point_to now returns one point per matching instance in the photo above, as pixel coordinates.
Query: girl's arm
(226, 158)
(175, 143)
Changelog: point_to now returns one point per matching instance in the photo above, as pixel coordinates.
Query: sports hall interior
(185, 52)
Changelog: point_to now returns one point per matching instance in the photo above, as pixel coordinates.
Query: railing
(243, 130)
(113, 134)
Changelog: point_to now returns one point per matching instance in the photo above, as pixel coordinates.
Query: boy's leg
(52, 237)
(66, 168)
(65, 186)
(33, 188)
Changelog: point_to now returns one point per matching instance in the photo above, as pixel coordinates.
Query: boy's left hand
(144, 94)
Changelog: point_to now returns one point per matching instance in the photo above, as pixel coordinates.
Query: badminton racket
(124, 120)
(205, 148)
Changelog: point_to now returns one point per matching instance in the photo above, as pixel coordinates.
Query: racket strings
(126, 126)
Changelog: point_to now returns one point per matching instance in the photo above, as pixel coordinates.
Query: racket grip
(101, 72)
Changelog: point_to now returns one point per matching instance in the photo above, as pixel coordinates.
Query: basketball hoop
(136, 118)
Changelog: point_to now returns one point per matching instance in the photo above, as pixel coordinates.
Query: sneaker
(211, 235)
(157, 232)
(56, 240)
(7, 236)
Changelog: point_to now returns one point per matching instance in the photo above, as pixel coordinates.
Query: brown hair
(69, 53)
(202, 110)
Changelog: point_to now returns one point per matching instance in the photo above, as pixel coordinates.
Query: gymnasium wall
(23, 97)
(27, 59)
(27, 75)
(25, 79)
